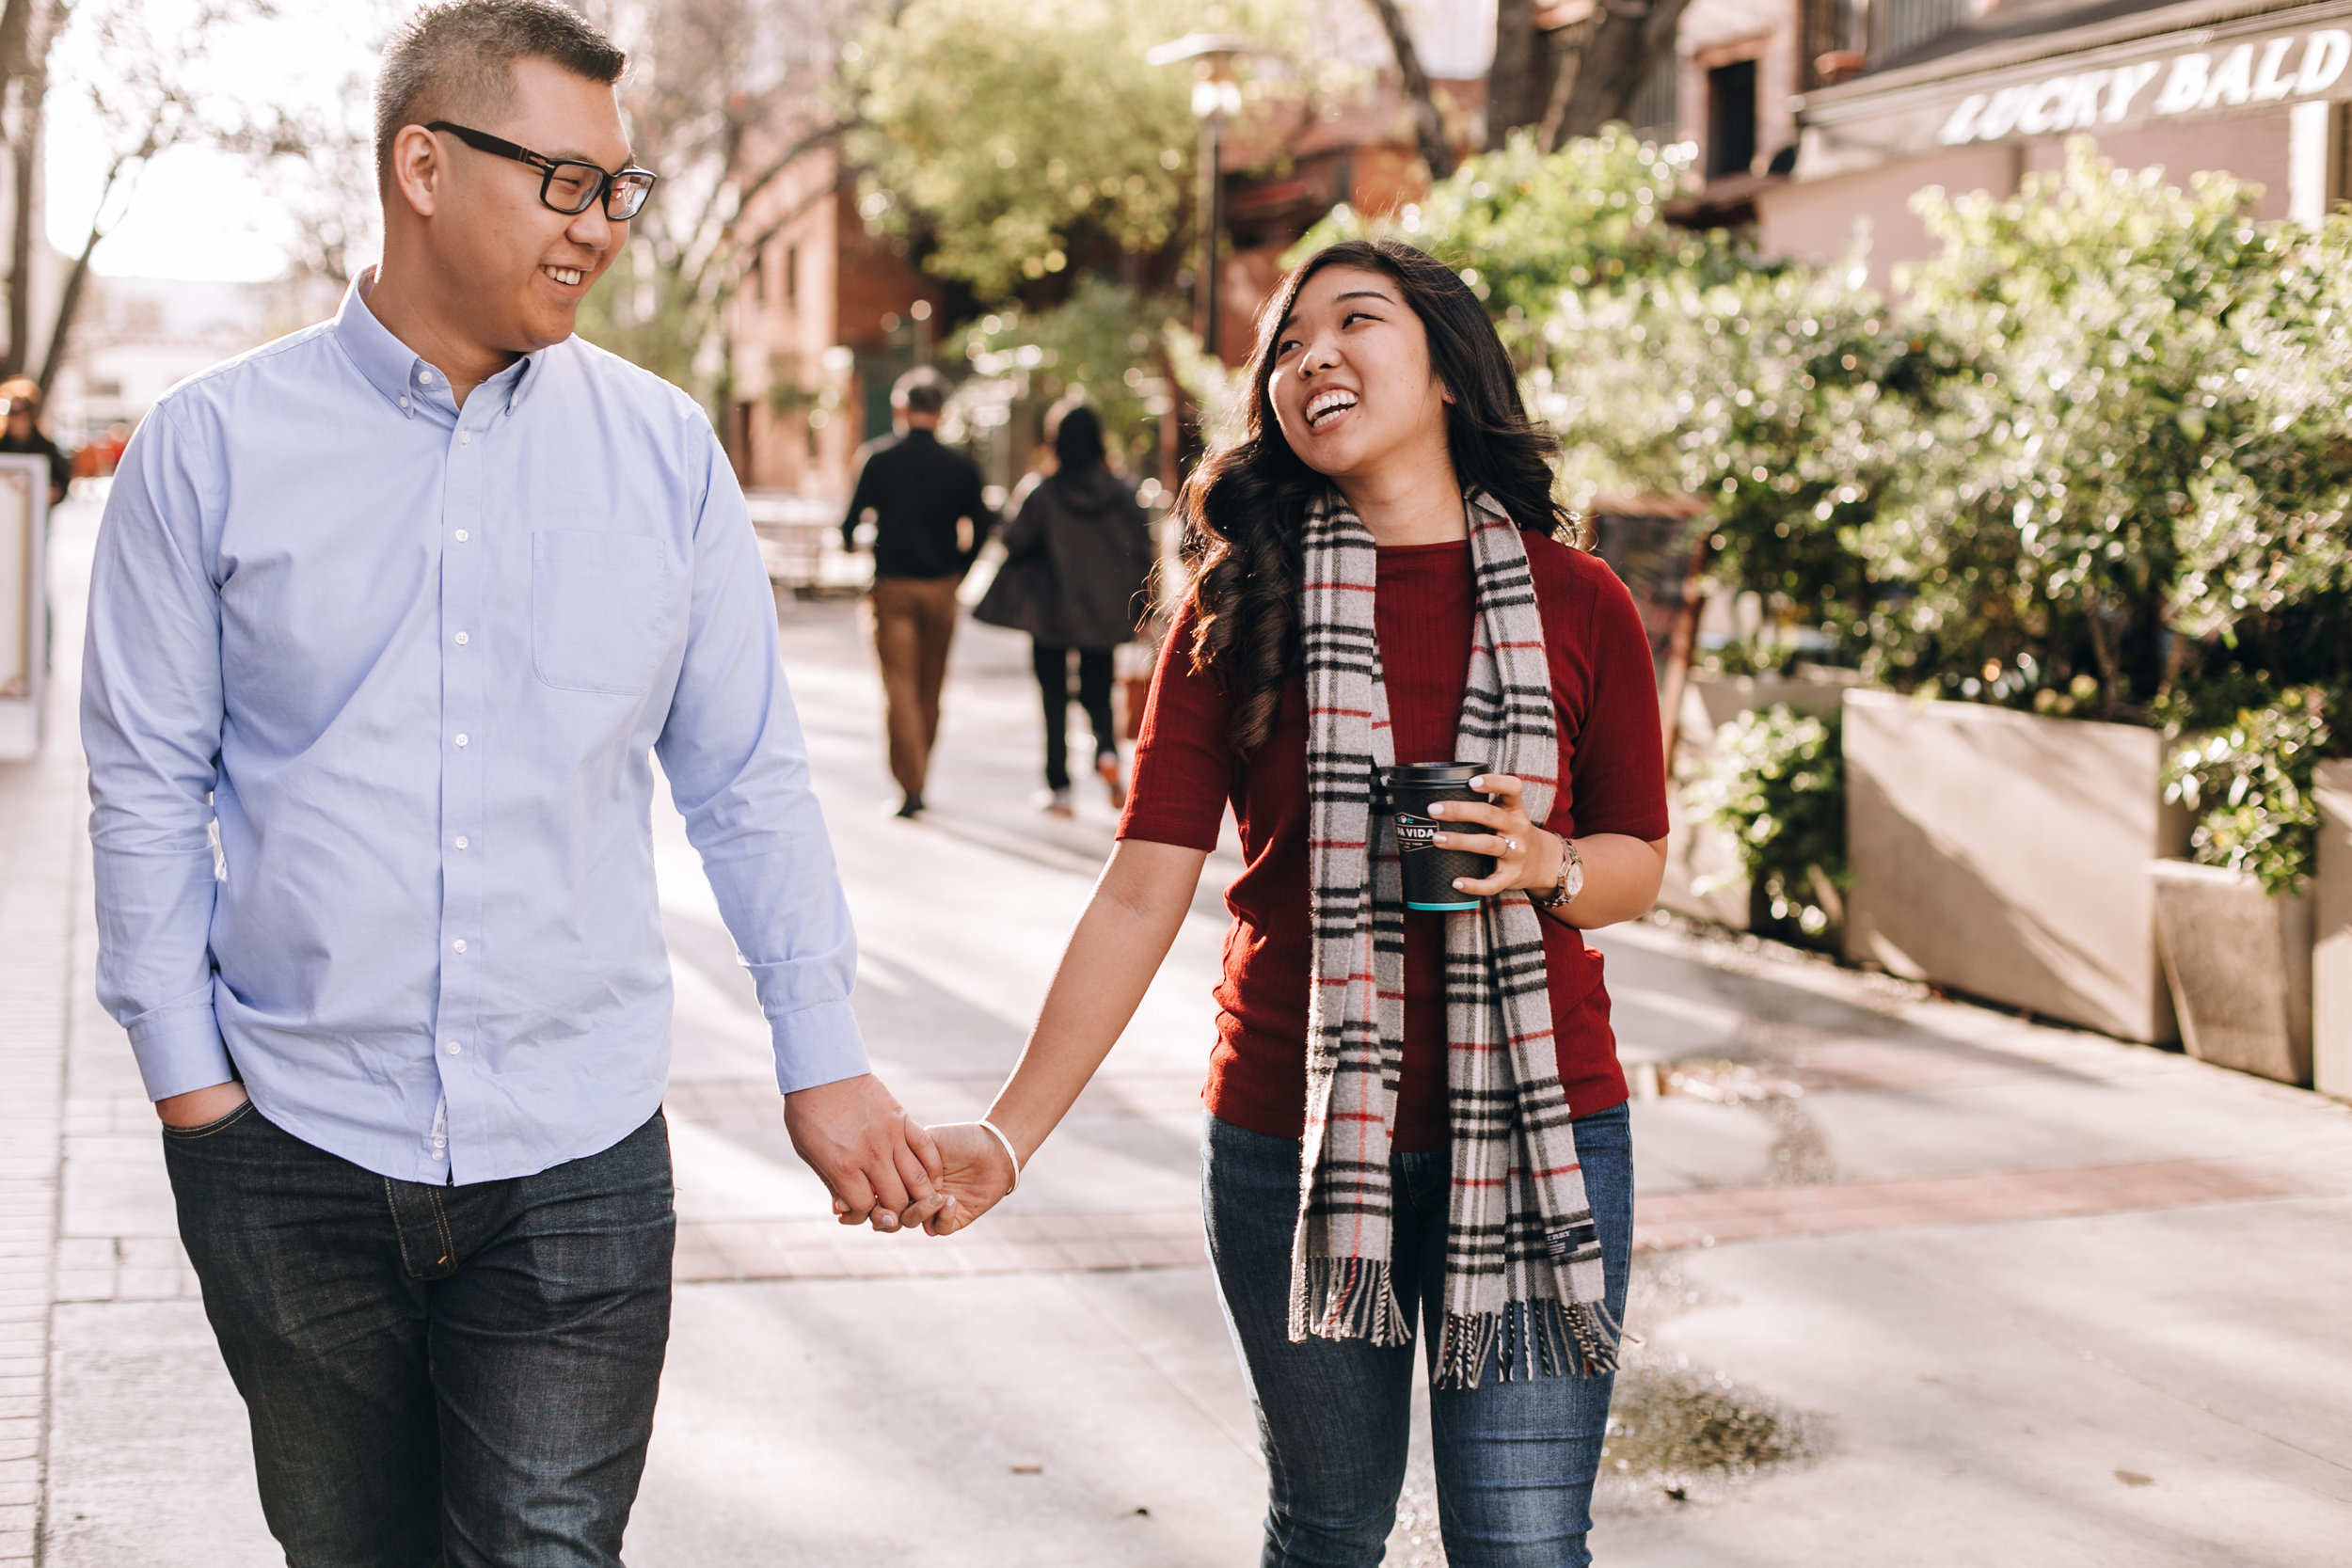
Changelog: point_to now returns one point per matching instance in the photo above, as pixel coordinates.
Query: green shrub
(2250, 782)
(1776, 781)
(2034, 538)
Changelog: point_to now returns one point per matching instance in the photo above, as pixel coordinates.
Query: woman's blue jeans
(1515, 1459)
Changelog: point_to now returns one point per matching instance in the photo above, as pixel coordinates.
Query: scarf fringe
(1549, 1339)
(1349, 1298)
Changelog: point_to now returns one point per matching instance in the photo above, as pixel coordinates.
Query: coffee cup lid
(1425, 774)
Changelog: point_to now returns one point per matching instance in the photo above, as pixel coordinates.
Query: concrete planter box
(2005, 854)
(2239, 964)
(1698, 853)
(2332, 953)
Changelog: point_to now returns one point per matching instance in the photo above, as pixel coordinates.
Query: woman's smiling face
(1352, 386)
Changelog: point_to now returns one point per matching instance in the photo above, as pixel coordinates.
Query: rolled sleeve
(818, 1045)
(179, 1048)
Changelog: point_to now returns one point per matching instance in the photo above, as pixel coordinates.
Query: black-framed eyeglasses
(569, 185)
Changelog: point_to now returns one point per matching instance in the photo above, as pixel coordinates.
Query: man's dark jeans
(435, 1375)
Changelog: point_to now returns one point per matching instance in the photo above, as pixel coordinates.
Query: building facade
(2254, 90)
(824, 316)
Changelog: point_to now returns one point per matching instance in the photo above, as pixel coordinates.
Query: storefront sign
(2195, 81)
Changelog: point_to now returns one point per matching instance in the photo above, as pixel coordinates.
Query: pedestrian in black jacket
(1088, 548)
(929, 521)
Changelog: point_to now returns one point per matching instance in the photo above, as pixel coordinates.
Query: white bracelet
(1010, 1154)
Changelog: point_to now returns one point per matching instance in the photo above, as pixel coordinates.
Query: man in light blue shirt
(387, 617)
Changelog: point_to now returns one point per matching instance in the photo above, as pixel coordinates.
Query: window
(792, 275)
(1730, 119)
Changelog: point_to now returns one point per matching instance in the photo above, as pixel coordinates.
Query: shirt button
(458, 946)
(404, 402)
(461, 639)
(463, 536)
(465, 437)
(437, 1154)
(461, 841)
(454, 1047)
(461, 740)
(425, 377)
(438, 1144)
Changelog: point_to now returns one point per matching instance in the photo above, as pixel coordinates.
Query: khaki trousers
(913, 619)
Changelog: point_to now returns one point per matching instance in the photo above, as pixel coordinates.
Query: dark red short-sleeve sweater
(1185, 774)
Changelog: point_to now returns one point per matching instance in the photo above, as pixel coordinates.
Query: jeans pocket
(603, 610)
(206, 1129)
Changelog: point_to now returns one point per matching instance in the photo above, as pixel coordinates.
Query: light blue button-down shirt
(406, 663)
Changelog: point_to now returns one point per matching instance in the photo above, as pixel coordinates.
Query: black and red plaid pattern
(1522, 1256)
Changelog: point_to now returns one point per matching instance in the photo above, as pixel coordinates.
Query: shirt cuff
(819, 1045)
(179, 1049)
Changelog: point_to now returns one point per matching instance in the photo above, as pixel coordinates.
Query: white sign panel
(24, 604)
(2180, 81)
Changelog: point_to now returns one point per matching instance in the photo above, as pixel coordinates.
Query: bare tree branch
(1515, 95)
(1598, 82)
(1428, 123)
(143, 98)
(26, 27)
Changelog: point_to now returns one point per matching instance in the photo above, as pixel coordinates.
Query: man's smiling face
(521, 267)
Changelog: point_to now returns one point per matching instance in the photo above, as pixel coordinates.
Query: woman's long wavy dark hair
(1245, 507)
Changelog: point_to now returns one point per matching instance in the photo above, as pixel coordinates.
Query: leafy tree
(1530, 229)
(1101, 344)
(1012, 141)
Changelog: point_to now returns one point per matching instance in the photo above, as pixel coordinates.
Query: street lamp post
(1215, 99)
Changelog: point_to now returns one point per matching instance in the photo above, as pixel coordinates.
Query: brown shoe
(1108, 766)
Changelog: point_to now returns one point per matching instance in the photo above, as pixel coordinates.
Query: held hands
(1526, 856)
(880, 1164)
(978, 1172)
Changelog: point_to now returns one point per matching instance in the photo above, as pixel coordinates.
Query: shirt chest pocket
(603, 611)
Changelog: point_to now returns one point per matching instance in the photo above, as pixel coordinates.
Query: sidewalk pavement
(1920, 1284)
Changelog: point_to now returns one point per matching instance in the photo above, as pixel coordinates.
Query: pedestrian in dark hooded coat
(1078, 554)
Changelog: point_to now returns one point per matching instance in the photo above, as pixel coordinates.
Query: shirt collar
(396, 370)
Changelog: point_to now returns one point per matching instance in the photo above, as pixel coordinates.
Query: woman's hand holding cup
(1526, 856)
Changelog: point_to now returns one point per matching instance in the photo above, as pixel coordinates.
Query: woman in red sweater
(1412, 1116)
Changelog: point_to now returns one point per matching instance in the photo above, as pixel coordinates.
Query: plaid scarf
(1524, 1268)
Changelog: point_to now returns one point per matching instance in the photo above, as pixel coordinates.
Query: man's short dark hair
(921, 390)
(455, 61)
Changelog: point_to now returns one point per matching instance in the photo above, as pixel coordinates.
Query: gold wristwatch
(1571, 877)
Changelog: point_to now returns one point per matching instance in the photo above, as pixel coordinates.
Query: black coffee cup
(1430, 871)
